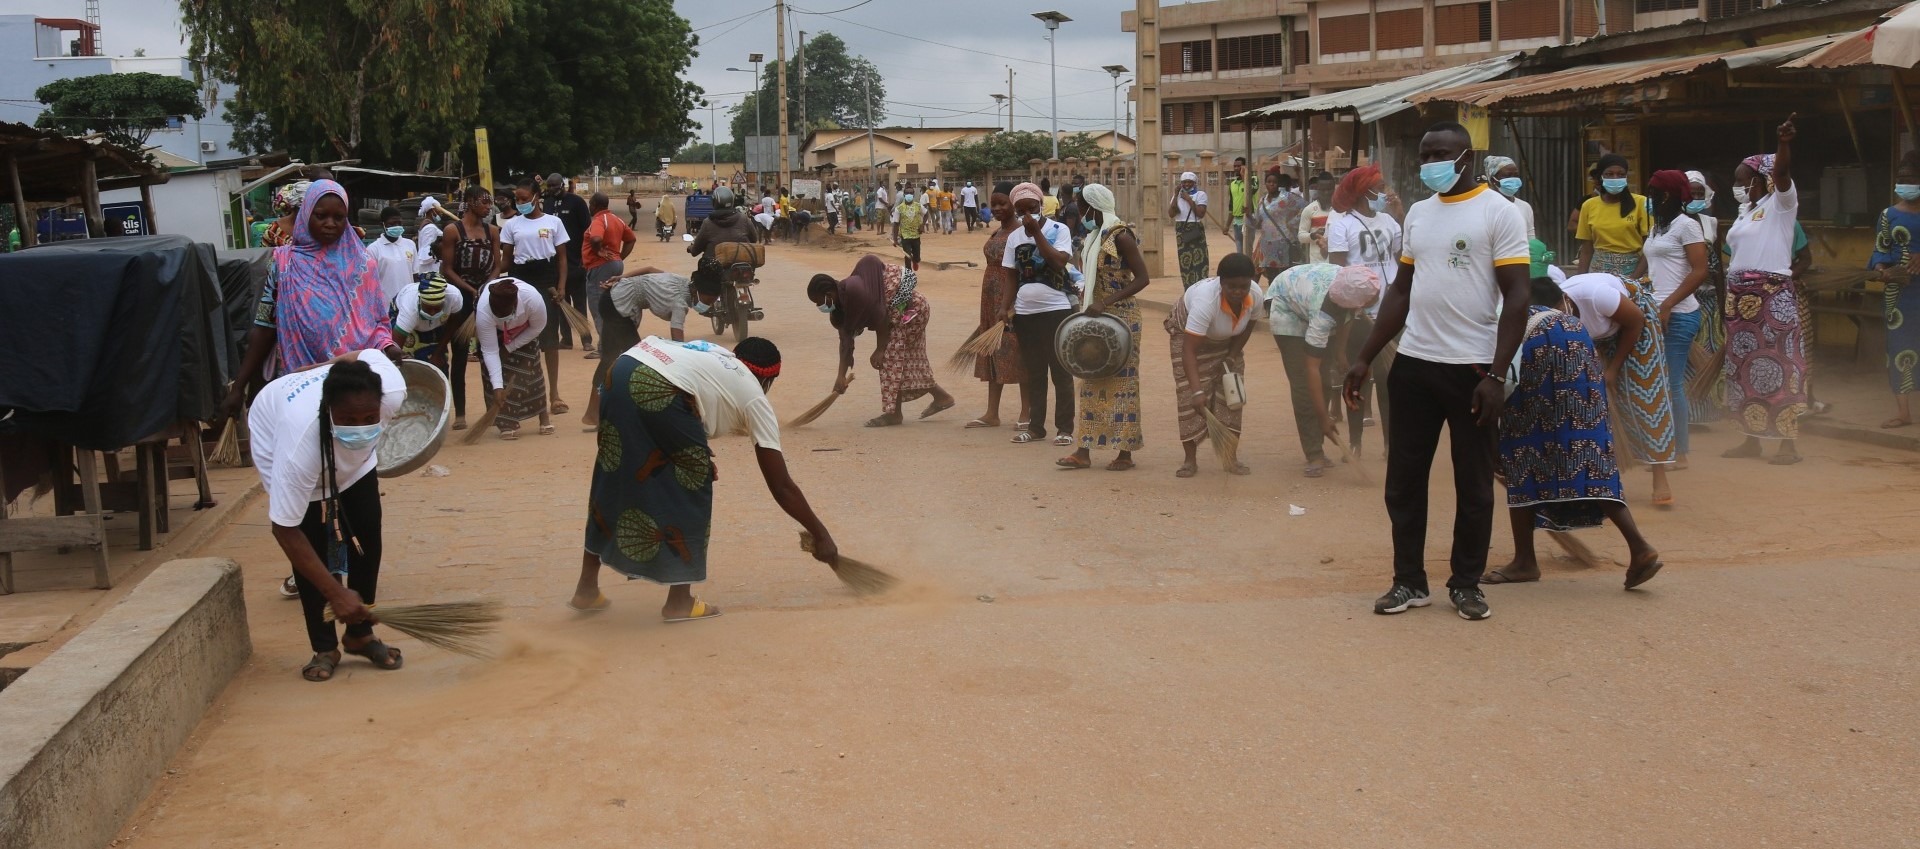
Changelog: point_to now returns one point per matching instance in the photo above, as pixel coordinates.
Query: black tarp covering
(242, 273)
(106, 341)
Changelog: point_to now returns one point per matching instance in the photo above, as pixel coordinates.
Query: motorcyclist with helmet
(726, 224)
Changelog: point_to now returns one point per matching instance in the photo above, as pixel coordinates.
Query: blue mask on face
(1613, 185)
(356, 437)
(1509, 186)
(701, 308)
(524, 208)
(395, 232)
(1378, 203)
(1440, 176)
(1906, 191)
(1695, 207)
(826, 308)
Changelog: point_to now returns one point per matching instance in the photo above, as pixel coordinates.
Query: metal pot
(417, 431)
(1093, 347)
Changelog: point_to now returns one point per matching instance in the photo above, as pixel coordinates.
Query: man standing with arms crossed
(1464, 251)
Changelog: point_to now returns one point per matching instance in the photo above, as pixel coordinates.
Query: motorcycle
(735, 307)
(663, 229)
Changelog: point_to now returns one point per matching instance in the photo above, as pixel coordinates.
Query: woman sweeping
(1900, 272)
(422, 319)
(508, 327)
(1002, 368)
(881, 298)
(1110, 407)
(1619, 316)
(313, 437)
(1209, 329)
(1766, 365)
(1556, 452)
(1189, 211)
(1613, 224)
(650, 513)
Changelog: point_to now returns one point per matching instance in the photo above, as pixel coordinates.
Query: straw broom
(1576, 549)
(227, 451)
(460, 627)
(466, 332)
(1226, 441)
(576, 319)
(982, 344)
(1347, 457)
(480, 426)
(817, 410)
(860, 576)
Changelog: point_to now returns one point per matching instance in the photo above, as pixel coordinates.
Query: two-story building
(35, 51)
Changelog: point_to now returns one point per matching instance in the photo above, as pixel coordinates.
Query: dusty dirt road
(1082, 658)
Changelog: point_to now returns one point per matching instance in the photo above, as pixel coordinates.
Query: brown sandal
(1072, 462)
(321, 667)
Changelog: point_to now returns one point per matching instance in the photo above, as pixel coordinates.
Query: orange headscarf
(1353, 187)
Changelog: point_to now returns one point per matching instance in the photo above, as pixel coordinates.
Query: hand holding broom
(861, 577)
(820, 409)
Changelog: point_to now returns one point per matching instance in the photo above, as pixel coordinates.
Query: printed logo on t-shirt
(1461, 256)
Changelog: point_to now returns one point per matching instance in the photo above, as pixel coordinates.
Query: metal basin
(1093, 347)
(417, 431)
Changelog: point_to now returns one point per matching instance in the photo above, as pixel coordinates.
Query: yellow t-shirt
(1049, 205)
(1602, 224)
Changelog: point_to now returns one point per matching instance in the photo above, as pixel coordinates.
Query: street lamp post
(712, 142)
(753, 59)
(999, 100)
(1116, 71)
(1053, 20)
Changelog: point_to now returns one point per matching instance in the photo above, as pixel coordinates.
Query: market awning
(1644, 81)
(1893, 42)
(52, 166)
(1371, 103)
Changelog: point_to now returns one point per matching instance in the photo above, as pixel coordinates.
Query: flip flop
(1495, 576)
(1024, 437)
(559, 407)
(978, 423)
(936, 408)
(460, 424)
(701, 610)
(546, 430)
(1314, 471)
(600, 602)
(1640, 573)
(1120, 466)
(1894, 423)
(1072, 462)
(509, 435)
(881, 421)
(1064, 440)
(380, 654)
(1784, 459)
(1187, 470)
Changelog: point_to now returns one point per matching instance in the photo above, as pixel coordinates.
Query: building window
(1252, 51)
(1186, 119)
(1302, 48)
(1343, 34)
(1186, 57)
(1717, 9)
(1521, 19)
(1471, 23)
(1235, 107)
(1400, 29)
(1646, 6)
(1586, 17)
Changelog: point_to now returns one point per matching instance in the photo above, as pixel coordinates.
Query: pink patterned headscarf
(1761, 163)
(326, 298)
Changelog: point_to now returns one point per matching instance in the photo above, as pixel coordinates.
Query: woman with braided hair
(313, 438)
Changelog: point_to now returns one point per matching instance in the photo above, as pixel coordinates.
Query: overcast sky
(941, 60)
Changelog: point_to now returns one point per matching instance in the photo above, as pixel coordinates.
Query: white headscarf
(1491, 165)
(1101, 198)
(1184, 177)
(1708, 225)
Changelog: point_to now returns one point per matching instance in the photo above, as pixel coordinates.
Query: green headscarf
(1540, 259)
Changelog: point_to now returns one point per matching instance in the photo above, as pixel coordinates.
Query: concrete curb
(86, 733)
(1881, 438)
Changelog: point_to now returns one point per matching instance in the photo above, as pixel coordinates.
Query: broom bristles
(460, 627)
(576, 319)
(1226, 442)
(480, 426)
(1346, 456)
(1576, 549)
(984, 343)
(465, 333)
(860, 576)
(1705, 376)
(227, 451)
(815, 411)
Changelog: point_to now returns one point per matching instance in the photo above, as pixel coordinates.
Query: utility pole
(1009, 98)
(780, 54)
(802, 56)
(866, 90)
(1146, 156)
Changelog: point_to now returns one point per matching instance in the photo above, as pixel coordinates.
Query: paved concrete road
(1083, 658)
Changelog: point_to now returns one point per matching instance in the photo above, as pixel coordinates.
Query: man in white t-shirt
(393, 256)
(1464, 251)
(970, 205)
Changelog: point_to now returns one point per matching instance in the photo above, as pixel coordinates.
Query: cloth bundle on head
(1491, 165)
(1671, 182)
(326, 298)
(1189, 176)
(1354, 286)
(1539, 258)
(433, 290)
(1697, 177)
(1101, 198)
(287, 199)
(1027, 191)
(1353, 187)
(1761, 163)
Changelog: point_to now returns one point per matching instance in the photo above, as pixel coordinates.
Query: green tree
(126, 108)
(1012, 151)
(571, 84)
(703, 152)
(834, 86)
(352, 71)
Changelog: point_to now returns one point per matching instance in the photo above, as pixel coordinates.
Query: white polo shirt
(1454, 244)
(1209, 315)
(393, 262)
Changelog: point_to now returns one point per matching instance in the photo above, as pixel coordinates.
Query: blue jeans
(1681, 328)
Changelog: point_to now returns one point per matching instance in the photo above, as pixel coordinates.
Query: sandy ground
(1082, 658)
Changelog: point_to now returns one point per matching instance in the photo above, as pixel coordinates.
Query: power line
(732, 19)
(834, 12)
(961, 49)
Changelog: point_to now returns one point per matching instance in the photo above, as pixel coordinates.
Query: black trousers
(360, 504)
(458, 357)
(544, 276)
(1425, 396)
(576, 292)
(1035, 333)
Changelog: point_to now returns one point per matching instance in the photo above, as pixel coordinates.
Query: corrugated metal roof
(1858, 48)
(1595, 77)
(1371, 103)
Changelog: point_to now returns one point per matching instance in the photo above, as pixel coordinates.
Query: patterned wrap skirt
(1618, 265)
(905, 372)
(1004, 366)
(650, 511)
(1903, 338)
(1644, 398)
(1213, 360)
(1109, 408)
(526, 385)
(1766, 365)
(1190, 237)
(1556, 449)
(1706, 388)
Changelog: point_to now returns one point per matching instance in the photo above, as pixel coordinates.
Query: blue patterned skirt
(650, 513)
(1556, 450)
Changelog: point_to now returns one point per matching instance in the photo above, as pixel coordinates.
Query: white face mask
(1740, 194)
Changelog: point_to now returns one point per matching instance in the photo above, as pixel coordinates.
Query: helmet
(723, 198)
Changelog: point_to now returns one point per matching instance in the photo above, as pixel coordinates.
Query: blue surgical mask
(701, 308)
(356, 437)
(1441, 176)
(1695, 207)
(524, 208)
(1378, 203)
(1509, 186)
(1906, 191)
(394, 233)
(826, 308)
(1613, 185)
